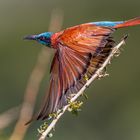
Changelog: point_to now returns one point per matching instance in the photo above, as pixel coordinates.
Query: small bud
(50, 135)
(86, 77)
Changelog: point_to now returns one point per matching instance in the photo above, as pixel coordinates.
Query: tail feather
(131, 22)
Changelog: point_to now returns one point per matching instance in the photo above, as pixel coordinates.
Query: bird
(80, 51)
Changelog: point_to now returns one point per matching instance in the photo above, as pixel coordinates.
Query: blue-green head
(43, 38)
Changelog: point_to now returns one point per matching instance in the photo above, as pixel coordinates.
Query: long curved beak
(30, 37)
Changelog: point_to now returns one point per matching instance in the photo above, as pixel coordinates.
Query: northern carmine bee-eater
(80, 51)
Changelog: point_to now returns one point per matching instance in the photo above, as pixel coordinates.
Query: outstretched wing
(81, 50)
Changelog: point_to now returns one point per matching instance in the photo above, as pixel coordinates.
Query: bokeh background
(112, 111)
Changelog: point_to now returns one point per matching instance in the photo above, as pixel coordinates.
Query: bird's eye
(42, 38)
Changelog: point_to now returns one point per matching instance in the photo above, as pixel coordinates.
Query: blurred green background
(112, 110)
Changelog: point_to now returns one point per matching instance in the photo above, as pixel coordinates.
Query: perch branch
(8, 117)
(96, 75)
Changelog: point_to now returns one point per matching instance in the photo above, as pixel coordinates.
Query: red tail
(131, 22)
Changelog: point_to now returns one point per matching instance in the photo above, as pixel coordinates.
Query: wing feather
(81, 50)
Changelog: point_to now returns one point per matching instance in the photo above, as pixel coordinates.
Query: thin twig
(34, 81)
(7, 117)
(96, 75)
